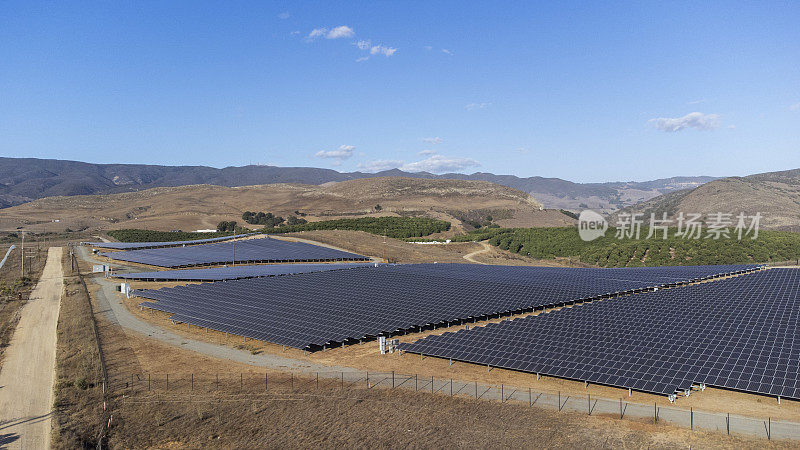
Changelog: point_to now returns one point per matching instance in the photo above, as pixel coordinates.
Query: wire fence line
(224, 384)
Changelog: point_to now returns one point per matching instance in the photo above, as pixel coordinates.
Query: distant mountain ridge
(774, 195)
(26, 179)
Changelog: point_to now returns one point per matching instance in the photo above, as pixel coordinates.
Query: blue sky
(582, 91)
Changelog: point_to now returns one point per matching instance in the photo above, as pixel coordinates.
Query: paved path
(486, 248)
(28, 373)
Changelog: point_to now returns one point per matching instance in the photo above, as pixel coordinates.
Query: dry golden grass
(203, 206)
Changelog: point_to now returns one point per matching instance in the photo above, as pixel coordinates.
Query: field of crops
(608, 251)
(136, 235)
(395, 227)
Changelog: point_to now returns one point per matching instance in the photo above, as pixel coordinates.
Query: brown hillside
(776, 195)
(203, 206)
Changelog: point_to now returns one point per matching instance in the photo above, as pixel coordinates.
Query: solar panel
(739, 333)
(249, 251)
(141, 245)
(235, 273)
(312, 310)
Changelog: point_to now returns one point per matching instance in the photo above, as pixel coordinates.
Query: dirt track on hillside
(26, 380)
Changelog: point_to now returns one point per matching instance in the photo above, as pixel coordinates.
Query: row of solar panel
(143, 245)
(313, 310)
(237, 272)
(740, 333)
(266, 250)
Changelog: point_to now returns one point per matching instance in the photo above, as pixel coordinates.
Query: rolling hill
(203, 206)
(776, 195)
(26, 179)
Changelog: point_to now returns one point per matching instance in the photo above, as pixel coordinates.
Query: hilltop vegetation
(608, 251)
(395, 227)
(135, 235)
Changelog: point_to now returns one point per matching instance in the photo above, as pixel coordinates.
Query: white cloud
(447, 52)
(440, 163)
(284, 15)
(341, 153)
(522, 151)
(382, 50)
(342, 31)
(697, 102)
(427, 152)
(695, 120)
(362, 59)
(379, 165)
(295, 33)
(428, 48)
(317, 32)
(795, 107)
(363, 45)
(474, 106)
(433, 140)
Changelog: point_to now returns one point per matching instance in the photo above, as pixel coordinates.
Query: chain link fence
(290, 383)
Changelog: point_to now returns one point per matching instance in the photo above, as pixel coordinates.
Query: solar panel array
(312, 310)
(248, 251)
(140, 245)
(236, 272)
(740, 333)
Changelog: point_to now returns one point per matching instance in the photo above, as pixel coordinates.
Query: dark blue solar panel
(315, 309)
(740, 333)
(266, 250)
(235, 273)
(141, 245)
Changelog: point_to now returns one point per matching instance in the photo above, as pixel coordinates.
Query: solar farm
(236, 272)
(739, 333)
(143, 245)
(335, 308)
(249, 251)
(658, 330)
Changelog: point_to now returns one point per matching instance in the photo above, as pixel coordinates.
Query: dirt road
(486, 248)
(28, 373)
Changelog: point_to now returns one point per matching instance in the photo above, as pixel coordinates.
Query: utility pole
(22, 273)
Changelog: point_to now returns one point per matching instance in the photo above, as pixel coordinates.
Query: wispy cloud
(522, 151)
(694, 120)
(341, 153)
(284, 15)
(447, 52)
(439, 164)
(432, 140)
(795, 107)
(474, 106)
(382, 50)
(379, 165)
(428, 48)
(427, 152)
(295, 33)
(342, 31)
(696, 102)
(362, 59)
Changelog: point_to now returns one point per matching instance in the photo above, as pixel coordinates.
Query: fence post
(266, 382)
(691, 417)
(148, 381)
(217, 387)
(451, 387)
(590, 403)
(502, 393)
(393, 379)
(317, 380)
(367, 379)
(291, 375)
(728, 423)
(241, 381)
(620, 407)
(431, 384)
(559, 400)
(530, 398)
(167, 382)
(769, 428)
(192, 382)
